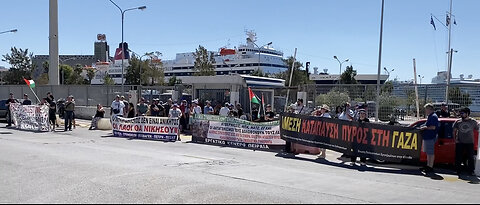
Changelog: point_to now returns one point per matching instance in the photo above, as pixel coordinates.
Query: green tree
(299, 76)
(90, 75)
(204, 62)
(387, 87)
(456, 95)
(173, 80)
(76, 77)
(108, 81)
(259, 73)
(388, 103)
(132, 77)
(348, 76)
(45, 66)
(66, 71)
(42, 80)
(333, 98)
(20, 66)
(154, 71)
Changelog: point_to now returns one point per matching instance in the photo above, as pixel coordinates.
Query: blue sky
(319, 29)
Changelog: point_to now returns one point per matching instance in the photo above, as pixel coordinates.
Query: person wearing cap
(443, 112)
(69, 109)
(11, 100)
(362, 118)
(208, 109)
(224, 111)
(195, 108)
(156, 109)
(26, 101)
(175, 112)
(142, 107)
(117, 108)
(463, 133)
(233, 112)
(269, 114)
(429, 134)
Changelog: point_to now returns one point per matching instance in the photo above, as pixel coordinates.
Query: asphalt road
(85, 166)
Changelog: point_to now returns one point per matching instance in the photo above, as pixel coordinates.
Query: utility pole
(53, 43)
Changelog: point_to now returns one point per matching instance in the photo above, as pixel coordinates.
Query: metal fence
(397, 101)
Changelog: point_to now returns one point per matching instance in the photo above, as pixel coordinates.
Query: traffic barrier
(104, 124)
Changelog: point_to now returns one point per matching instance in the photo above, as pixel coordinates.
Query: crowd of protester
(463, 128)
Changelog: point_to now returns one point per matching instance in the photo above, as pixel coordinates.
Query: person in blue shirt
(429, 134)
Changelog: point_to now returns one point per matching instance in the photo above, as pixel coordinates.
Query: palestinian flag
(252, 96)
(30, 83)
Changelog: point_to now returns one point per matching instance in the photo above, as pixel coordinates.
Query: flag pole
(250, 100)
(34, 94)
(291, 75)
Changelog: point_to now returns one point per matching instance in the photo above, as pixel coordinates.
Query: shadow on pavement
(383, 168)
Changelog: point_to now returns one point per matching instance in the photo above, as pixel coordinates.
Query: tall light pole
(270, 43)
(61, 70)
(421, 77)
(340, 73)
(388, 72)
(123, 49)
(9, 31)
(377, 106)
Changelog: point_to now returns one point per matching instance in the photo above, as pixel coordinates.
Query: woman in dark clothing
(98, 115)
(131, 111)
(361, 119)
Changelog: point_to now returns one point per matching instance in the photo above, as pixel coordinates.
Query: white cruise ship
(242, 60)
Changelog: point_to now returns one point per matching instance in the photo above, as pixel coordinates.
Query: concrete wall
(86, 113)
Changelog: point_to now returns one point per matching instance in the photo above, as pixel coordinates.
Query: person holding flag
(253, 99)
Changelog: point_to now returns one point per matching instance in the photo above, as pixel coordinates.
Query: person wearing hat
(443, 112)
(142, 107)
(156, 108)
(224, 111)
(463, 133)
(362, 118)
(175, 112)
(26, 101)
(195, 108)
(69, 109)
(347, 114)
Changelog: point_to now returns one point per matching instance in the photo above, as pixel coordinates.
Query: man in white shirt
(196, 109)
(224, 111)
(175, 112)
(117, 107)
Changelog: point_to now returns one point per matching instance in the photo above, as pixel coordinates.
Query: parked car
(3, 109)
(445, 146)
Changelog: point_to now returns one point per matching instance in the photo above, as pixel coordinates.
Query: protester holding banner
(10, 101)
(224, 111)
(463, 133)
(208, 109)
(430, 132)
(142, 108)
(117, 107)
(362, 118)
(26, 101)
(269, 114)
(347, 114)
(300, 108)
(131, 111)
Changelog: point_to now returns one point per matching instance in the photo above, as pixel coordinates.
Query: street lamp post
(9, 31)
(63, 62)
(340, 73)
(388, 72)
(123, 49)
(270, 43)
(420, 77)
